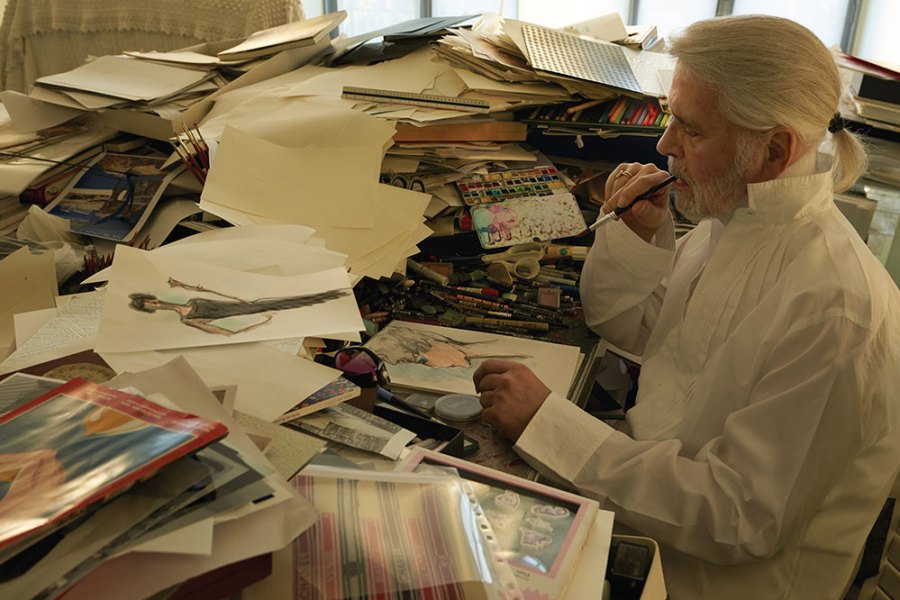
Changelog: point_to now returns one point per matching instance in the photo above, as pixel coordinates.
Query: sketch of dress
(201, 312)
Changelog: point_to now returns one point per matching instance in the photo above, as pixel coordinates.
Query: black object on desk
(425, 428)
(628, 567)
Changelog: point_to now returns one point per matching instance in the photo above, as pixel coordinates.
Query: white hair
(771, 71)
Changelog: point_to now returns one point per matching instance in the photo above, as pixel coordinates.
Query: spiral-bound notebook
(591, 60)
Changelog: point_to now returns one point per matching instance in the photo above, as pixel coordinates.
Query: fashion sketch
(202, 312)
(442, 359)
(401, 344)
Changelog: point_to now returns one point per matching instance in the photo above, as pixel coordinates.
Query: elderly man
(764, 439)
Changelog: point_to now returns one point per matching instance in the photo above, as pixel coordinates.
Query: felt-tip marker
(621, 210)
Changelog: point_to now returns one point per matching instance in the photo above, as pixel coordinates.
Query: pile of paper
(224, 504)
(120, 81)
(326, 179)
(515, 51)
(31, 153)
(256, 291)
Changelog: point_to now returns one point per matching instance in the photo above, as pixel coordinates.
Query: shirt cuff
(561, 437)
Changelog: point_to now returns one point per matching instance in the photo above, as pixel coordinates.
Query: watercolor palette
(506, 185)
(533, 219)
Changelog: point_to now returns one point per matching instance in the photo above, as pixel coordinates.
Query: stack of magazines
(91, 474)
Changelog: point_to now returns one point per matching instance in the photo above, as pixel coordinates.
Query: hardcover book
(82, 444)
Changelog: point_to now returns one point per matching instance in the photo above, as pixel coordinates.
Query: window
(825, 18)
(877, 30)
(863, 27)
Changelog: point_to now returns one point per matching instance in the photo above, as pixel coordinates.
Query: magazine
(104, 202)
(335, 392)
(81, 444)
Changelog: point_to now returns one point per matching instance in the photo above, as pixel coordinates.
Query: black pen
(621, 210)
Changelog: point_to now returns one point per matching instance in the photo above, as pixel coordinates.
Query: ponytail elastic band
(836, 123)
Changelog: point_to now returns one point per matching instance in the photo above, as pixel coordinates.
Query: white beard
(718, 197)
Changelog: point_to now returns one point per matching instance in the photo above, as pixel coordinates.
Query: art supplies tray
(506, 185)
(534, 219)
(622, 113)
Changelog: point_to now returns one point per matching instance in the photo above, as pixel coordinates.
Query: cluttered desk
(310, 245)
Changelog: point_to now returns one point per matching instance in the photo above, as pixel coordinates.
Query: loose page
(312, 185)
(156, 302)
(29, 284)
(269, 382)
(126, 78)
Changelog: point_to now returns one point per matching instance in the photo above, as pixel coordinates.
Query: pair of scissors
(520, 260)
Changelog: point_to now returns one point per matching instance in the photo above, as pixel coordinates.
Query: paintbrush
(621, 210)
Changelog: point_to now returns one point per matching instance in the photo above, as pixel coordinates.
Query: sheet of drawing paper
(283, 232)
(72, 330)
(26, 324)
(196, 538)
(127, 78)
(269, 382)
(383, 261)
(165, 216)
(311, 185)
(31, 114)
(297, 122)
(29, 284)
(204, 305)
(251, 255)
(413, 73)
(443, 359)
(399, 213)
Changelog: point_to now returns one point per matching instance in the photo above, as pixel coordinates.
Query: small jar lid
(458, 407)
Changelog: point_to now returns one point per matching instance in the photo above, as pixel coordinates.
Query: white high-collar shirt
(766, 432)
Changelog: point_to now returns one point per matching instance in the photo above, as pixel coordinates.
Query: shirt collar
(804, 188)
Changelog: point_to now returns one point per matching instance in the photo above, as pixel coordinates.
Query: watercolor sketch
(536, 219)
(443, 359)
(158, 302)
(228, 316)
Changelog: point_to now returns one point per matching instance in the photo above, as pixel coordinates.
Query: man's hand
(510, 395)
(627, 182)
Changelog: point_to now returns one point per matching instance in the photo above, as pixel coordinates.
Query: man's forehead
(693, 99)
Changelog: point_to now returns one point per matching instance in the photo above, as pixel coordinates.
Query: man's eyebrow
(683, 121)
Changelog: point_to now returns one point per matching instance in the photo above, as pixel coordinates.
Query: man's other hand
(510, 394)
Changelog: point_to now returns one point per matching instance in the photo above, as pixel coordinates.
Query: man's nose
(668, 144)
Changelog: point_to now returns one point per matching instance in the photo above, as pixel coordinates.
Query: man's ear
(782, 149)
